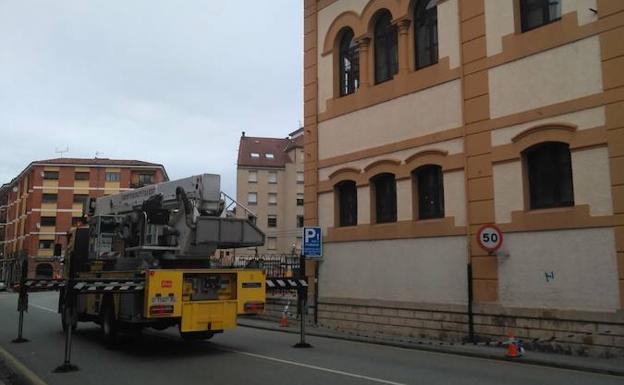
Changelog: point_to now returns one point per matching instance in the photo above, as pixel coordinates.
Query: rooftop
(266, 152)
(88, 162)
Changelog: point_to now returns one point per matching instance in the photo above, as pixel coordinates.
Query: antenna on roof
(56, 150)
(97, 154)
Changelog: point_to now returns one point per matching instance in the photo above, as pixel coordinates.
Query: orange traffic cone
(284, 320)
(513, 348)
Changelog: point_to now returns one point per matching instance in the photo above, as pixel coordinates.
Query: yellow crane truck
(142, 260)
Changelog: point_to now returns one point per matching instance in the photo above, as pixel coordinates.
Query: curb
(490, 356)
(23, 375)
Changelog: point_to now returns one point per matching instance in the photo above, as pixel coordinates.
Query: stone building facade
(425, 120)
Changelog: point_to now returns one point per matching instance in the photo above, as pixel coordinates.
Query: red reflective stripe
(161, 309)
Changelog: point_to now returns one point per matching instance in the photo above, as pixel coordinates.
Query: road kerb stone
(23, 374)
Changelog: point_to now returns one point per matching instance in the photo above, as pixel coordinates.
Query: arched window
(426, 33)
(535, 13)
(44, 270)
(429, 192)
(349, 63)
(347, 203)
(549, 170)
(386, 54)
(384, 198)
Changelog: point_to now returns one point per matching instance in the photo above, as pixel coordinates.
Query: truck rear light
(159, 310)
(254, 307)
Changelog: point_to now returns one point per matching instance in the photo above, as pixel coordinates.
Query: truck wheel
(108, 323)
(65, 314)
(196, 336)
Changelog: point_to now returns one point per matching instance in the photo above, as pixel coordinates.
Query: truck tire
(108, 323)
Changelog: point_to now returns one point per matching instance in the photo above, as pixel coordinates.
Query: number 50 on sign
(490, 237)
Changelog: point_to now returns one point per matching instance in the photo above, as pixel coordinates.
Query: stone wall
(575, 333)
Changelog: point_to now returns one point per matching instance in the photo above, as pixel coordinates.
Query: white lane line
(320, 368)
(43, 308)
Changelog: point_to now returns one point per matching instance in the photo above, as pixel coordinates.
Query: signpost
(490, 238)
(312, 242)
(313, 249)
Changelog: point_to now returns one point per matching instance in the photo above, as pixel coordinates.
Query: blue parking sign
(312, 242)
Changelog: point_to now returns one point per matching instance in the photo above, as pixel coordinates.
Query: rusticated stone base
(575, 333)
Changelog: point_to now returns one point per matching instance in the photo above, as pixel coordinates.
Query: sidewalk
(588, 364)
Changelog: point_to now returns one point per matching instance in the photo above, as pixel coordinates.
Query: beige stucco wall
(424, 270)
(409, 116)
(592, 180)
(454, 146)
(448, 32)
(325, 63)
(326, 210)
(325, 81)
(590, 177)
(584, 15)
(455, 196)
(500, 19)
(404, 199)
(454, 201)
(508, 193)
(448, 40)
(584, 119)
(363, 209)
(544, 79)
(583, 263)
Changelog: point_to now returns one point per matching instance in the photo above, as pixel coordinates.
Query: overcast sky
(167, 81)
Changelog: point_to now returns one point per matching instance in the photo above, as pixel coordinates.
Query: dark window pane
(299, 220)
(426, 34)
(80, 198)
(386, 51)
(272, 221)
(550, 175)
(146, 179)
(430, 189)
(46, 244)
(385, 198)
(49, 198)
(349, 63)
(112, 177)
(347, 203)
(535, 13)
(48, 221)
(51, 175)
(81, 176)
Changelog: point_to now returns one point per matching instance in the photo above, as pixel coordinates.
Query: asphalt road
(249, 356)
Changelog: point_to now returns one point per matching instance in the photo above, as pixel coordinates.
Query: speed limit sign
(490, 238)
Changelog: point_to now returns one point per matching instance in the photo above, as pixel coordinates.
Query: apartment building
(45, 200)
(269, 182)
(4, 195)
(425, 120)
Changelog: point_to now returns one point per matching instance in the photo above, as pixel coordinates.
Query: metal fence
(274, 265)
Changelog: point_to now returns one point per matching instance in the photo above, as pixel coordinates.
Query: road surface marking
(320, 368)
(43, 308)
